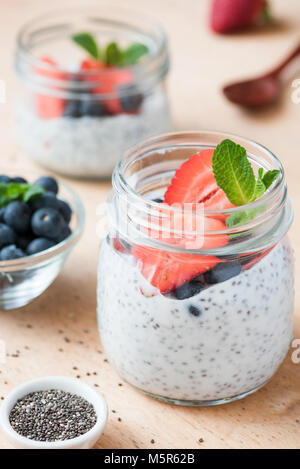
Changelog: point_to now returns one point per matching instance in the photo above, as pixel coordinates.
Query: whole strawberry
(233, 15)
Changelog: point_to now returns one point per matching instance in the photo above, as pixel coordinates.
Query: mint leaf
(113, 54)
(235, 176)
(88, 43)
(240, 218)
(18, 191)
(260, 187)
(270, 177)
(133, 53)
(32, 191)
(121, 58)
(233, 172)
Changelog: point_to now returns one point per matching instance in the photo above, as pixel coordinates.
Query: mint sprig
(133, 53)
(233, 172)
(88, 43)
(18, 191)
(235, 176)
(112, 54)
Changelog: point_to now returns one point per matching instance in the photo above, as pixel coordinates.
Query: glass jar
(221, 333)
(79, 121)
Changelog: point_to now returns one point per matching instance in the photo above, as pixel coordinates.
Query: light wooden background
(57, 333)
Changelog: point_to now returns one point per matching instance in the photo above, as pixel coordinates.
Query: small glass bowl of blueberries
(40, 222)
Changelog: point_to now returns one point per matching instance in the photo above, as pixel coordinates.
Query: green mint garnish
(88, 43)
(112, 54)
(17, 191)
(133, 53)
(235, 176)
(270, 177)
(260, 187)
(233, 172)
(240, 218)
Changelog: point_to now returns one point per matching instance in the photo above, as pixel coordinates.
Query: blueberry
(158, 200)
(38, 245)
(65, 209)
(11, 252)
(63, 235)
(189, 289)
(73, 108)
(2, 210)
(48, 183)
(194, 310)
(4, 178)
(17, 215)
(48, 199)
(223, 271)
(131, 103)
(19, 179)
(24, 240)
(92, 108)
(47, 222)
(7, 235)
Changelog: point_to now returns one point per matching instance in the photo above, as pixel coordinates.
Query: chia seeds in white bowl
(53, 412)
(52, 415)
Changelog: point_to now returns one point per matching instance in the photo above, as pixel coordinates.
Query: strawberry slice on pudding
(194, 182)
(49, 107)
(108, 83)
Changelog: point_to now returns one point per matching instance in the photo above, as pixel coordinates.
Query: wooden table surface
(57, 333)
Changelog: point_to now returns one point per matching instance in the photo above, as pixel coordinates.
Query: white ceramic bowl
(63, 383)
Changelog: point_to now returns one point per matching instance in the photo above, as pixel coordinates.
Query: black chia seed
(52, 415)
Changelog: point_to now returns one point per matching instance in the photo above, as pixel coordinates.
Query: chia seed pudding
(195, 287)
(89, 146)
(226, 341)
(93, 86)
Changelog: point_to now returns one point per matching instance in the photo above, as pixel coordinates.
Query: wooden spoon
(260, 91)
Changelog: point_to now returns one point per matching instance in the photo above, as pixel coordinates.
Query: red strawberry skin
(233, 15)
(108, 82)
(169, 270)
(47, 106)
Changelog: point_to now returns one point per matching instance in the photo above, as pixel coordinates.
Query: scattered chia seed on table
(52, 415)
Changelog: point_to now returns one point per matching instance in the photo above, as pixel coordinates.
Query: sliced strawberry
(186, 229)
(47, 106)
(167, 270)
(92, 64)
(194, 182)
(233, 15)
(114, 79)
(107, 83)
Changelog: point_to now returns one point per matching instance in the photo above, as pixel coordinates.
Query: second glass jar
(77, 124)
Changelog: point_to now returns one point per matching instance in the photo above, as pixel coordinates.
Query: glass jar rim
(155, 64)
(266, 197)
(274, 211)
